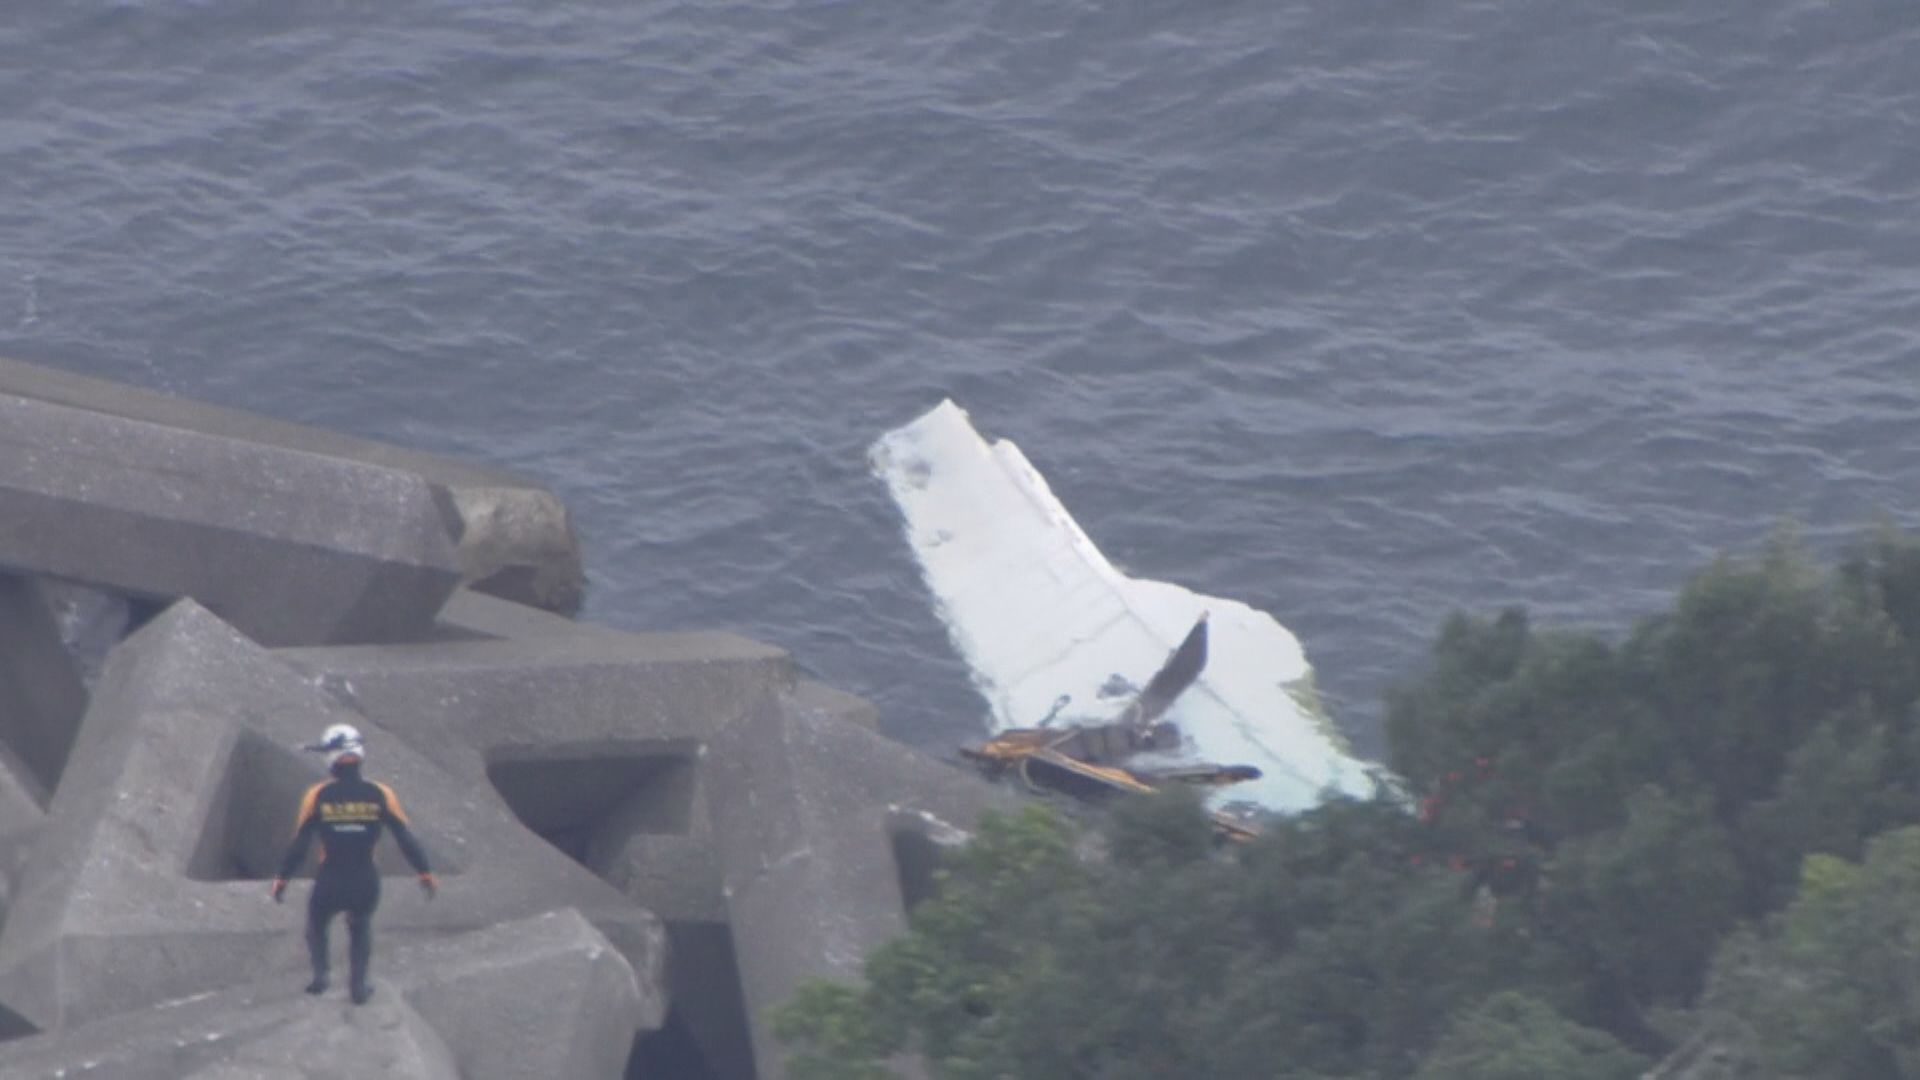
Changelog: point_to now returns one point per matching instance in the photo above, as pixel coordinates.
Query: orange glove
(279, 889)
(428, 885)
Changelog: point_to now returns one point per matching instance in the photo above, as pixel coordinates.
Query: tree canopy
(1826, 989)
(1510, 1036)
(1598, 828)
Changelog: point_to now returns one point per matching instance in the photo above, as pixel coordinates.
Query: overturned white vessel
(1054, 634)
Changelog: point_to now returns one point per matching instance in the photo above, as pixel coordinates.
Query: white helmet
(339, 742)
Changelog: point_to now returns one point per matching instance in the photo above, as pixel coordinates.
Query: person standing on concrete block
(347, 813)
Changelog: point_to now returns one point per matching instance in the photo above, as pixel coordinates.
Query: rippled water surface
(1361, 313)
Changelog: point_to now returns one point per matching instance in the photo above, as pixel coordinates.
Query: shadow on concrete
(14, 1026)
(670, 1051)
(917, 859)
(251, 818)
(587, 803)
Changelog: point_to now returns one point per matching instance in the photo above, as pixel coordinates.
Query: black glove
(279, 889)
(428, 885)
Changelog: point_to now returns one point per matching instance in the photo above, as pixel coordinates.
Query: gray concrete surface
(596, 739)
(723, 829)
(544, 997)
(548, 996)
(805, 810)
(469, 613)
(291, 547)
(257, 1033)
(148, 880)
(498, 698)
(41, 694)
(830, 701)
(691, 729)
(91, 621)
(516, 538)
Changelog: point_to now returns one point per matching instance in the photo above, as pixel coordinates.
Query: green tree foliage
(1685, 770)
(1511, 1036)
(1331, 947)
(1649, 900)
(1827, 989)
(1589, 817)
(842, 1037)
(1884, 575)
(1754, 658)
(1022, 966)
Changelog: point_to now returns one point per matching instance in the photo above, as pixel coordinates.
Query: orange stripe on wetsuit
(347, 814)
(307, 802)
(393, 804)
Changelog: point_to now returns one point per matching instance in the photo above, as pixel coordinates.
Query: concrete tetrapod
(821, 826)
(546, 996)
(516, 538)
(147, 881)
(260, 1031)
(41, 696)
(592, 735)
(291, 547)
(629, 750)
(41, 701)
(595, 738)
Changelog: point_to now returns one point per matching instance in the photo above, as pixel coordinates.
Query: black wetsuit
(347, 813)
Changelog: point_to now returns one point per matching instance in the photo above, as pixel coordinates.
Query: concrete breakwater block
(20, 826)
(759, 814)
(495, 697)
(148, 880)
(264, 1030)
(91, 621)
(41, 695)
(822, 827)
(546, 996)
(515, 538)
(596, 739)
(715, 828)
(291, 547)
(826, 700)
(469, 614)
